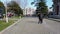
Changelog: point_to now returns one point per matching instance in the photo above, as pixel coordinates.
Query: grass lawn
(3, 24)
(15, 17)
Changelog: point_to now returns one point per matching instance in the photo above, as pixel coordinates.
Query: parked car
(10, 14)
(1, 13)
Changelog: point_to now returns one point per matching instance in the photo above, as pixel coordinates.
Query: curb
(58, 20)
(10, 26)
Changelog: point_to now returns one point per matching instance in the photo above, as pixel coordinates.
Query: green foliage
(3, 24)
(2, 7)
(14, 6)
(1, 4)
(41, 6)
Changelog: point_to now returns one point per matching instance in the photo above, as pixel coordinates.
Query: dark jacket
(40, 16)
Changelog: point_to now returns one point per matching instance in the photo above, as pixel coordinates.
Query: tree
(1, 4)
(41, 6)
(14, 6)
(2, 7)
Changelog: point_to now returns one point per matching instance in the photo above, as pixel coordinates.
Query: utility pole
(6, 11)
(25, 5)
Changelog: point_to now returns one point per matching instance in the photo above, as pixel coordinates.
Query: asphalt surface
(29, 25)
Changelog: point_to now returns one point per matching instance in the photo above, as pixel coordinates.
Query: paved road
(54, 25)
(29, 25)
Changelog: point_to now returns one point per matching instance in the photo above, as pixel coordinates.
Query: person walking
(40, 17)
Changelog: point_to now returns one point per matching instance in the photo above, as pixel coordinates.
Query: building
(56, 8)
(29, 11)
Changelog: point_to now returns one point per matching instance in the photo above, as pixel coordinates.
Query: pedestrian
(40, 17)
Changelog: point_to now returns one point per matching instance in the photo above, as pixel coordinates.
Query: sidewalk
(29, 25)
(58, 20)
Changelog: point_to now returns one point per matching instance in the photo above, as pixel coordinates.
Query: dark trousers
(40, 20)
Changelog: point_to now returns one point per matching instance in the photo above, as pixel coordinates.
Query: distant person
(40, 17)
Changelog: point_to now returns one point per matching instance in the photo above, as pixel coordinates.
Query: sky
(49, 3)
(29, 4)
(4, 0)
